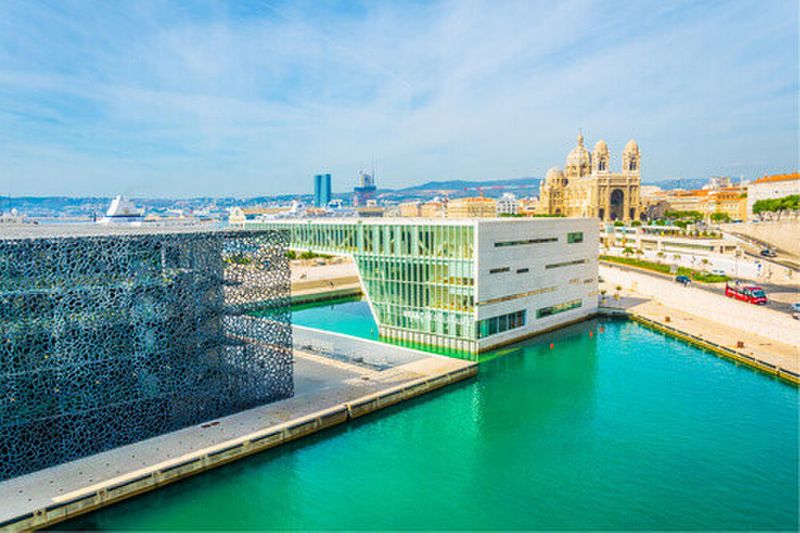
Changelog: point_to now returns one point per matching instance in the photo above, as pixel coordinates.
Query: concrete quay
(739, 316)
(328, 392)
(750, 342)
(317, 283)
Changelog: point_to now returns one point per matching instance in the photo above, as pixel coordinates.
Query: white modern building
(466, 285)
(771, 187)
(507, 204)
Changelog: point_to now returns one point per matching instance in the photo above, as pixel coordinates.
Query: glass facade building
(461, 285)
(322, 190)
(419, 278)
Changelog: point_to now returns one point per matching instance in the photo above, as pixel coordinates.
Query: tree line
(777, 205)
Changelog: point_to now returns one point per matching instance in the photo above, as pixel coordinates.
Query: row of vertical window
(423, 320)
(401, 240)
(499, 324)
(558, 308)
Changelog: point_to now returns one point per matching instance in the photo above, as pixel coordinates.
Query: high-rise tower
(365, 190)
(322, 190)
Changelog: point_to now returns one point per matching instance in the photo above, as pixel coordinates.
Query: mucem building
(113, 335)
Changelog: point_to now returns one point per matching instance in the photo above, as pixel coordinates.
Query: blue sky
(183, 99)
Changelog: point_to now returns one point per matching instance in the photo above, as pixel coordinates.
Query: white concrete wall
(569, 282)
(353, 349)
(780, 234)
(771, 189)
(748, 317)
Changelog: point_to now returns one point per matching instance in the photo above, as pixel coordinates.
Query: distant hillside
(511, 184)
(679, 183)
(462, 184)
(44, 206)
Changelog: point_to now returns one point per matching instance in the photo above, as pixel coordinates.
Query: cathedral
(587, 187)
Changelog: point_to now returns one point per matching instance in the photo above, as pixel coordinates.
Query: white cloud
(173, 100)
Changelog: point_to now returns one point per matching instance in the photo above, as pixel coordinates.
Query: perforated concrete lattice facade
(110, 338)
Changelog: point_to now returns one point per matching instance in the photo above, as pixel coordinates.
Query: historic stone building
(588, 188)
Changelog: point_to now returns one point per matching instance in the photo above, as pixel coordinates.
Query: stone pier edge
(723, 351)
(203, 460)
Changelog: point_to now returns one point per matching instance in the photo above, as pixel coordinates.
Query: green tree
(777, 205)
(720, 217)
(628, 251)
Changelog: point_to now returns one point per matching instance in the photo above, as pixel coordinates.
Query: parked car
(718, 272)
(685, 280)
(766, 252)
(796, 307)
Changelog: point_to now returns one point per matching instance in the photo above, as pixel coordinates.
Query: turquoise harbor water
(626, 429)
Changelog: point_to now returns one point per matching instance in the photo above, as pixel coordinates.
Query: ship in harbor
(123, 211)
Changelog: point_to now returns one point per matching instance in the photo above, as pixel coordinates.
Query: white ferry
(123, 211)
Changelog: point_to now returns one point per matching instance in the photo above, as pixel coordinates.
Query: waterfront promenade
(336, 379)
(770, 338)
(312, 282)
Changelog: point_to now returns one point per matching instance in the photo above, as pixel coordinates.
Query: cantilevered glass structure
(419, 278)
(110, 336)
(462, 285)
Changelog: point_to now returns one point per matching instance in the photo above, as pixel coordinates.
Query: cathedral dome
(579, 156)
(632, 146)
(554, 174)
(601, 147)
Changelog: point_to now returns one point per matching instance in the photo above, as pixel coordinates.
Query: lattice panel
(107, 340)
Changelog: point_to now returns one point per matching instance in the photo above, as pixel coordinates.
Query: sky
(175, 99)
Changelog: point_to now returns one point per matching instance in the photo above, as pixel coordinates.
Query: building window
(517, 296)
(499, 324)
(499, 270)
(575, 237)
(565, 263)
(502, 244)
(522, 270)
(558, 308)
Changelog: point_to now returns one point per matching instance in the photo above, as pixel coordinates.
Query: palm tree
(660, 256)
(628, 251)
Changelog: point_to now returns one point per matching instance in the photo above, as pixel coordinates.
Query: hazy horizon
(177, 100)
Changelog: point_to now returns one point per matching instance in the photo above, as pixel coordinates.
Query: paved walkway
(310, 280)
(322, 386)
(783, 356)
(753, 335)
(740, 316)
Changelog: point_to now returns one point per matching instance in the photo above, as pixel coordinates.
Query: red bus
(747, 293)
